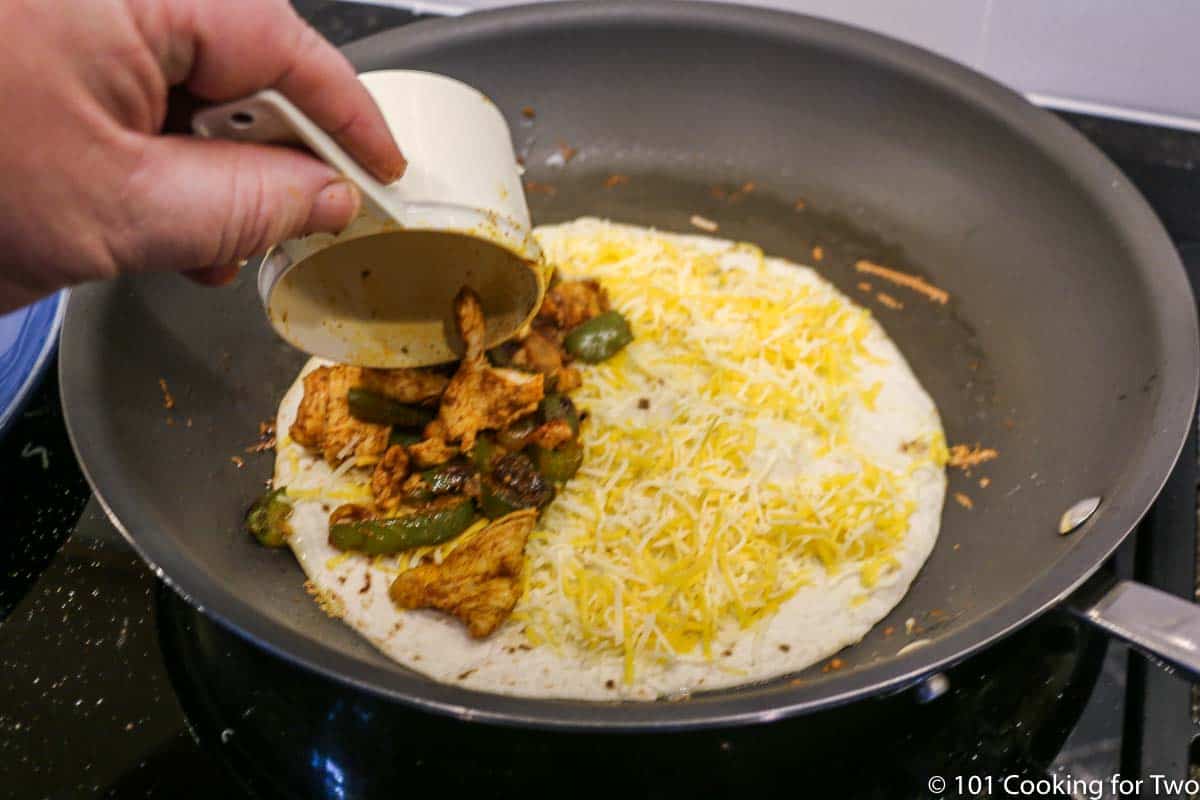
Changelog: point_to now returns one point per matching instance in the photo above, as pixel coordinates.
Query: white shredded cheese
(717, 472)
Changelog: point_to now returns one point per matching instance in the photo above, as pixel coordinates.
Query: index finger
(242, 47)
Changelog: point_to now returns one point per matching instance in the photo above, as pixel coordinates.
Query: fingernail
(335, 206)
(396, 171)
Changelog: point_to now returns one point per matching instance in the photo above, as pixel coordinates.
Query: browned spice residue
(168, 398)
(266, 438)
(784, 648)
(746, 188)
(462, 676)
(834, 665)
(566, 151)
(615, 180)
(985, 482)
(366, 587)
(863, 286)
(237, 461)
(535, 187)
(717, 192)
(965, 457)
(904, 279)
(799, 205)
(610, 684)
(528, 113)
(964, 501)
(889, 301)
(818, 253)
(889, 630)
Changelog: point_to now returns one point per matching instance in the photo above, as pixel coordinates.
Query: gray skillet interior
(1069, 344)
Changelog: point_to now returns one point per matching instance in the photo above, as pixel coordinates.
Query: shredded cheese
(690, 520)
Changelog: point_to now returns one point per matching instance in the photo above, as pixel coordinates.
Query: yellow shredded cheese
(687, 523)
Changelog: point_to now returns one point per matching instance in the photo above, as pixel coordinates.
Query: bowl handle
(270, 118)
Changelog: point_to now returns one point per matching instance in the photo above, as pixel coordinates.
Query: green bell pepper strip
(559, 406)
(513, 437)
(600, 338)
(485, 452)
(371, 406)
(267, 519)
(560, 464)
(418, 529)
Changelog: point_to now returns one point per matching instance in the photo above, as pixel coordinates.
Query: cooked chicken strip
(388, 479)
(551, 434)
(433, 449)
(569, 379)
(479, 583)
(539, 352)
(481, 396)
(308, 429)
(571, 303)
(404, 385)
(323, 420)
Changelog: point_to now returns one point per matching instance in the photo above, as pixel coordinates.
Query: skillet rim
(1151, 251)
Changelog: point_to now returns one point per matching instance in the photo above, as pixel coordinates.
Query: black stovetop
(110, 686)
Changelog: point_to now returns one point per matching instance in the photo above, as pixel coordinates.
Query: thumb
(198, 204)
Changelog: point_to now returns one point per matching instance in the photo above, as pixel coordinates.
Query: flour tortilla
(827, 614)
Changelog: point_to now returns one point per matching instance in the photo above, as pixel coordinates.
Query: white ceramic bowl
(379, 294)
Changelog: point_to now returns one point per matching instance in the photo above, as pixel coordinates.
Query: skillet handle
(1161, 626)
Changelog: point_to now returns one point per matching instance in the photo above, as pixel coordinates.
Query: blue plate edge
(38, 371)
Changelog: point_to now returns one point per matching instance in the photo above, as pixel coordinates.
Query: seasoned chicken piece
(479, 395)
(413, 484)
(479, 583)
(551, 434)
(308, 429)
(404, 385)
(387, 481)
(349, 512)
(569, 379)
(539, 352)
(571, 303)
(323, 420)
(433, 449)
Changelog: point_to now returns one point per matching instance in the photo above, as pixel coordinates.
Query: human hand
(91, 189)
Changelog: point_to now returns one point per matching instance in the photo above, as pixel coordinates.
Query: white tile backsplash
(1141, 56)
(1136, 59)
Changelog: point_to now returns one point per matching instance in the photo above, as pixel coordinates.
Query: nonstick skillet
(1069, 344)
